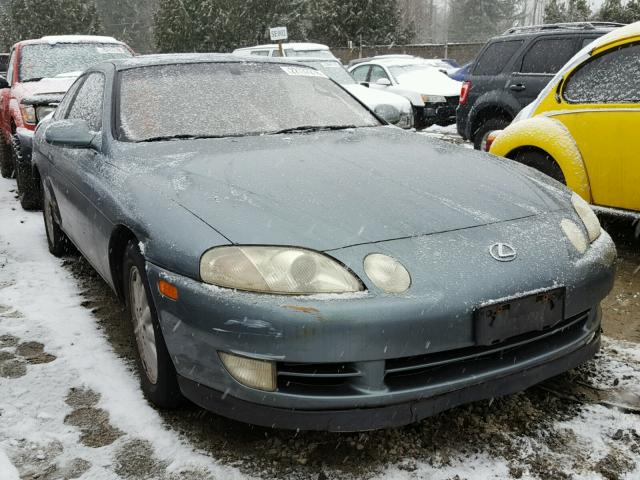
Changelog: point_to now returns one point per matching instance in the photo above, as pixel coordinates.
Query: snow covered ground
(71, 407)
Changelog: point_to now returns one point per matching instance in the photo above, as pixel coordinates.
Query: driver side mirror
(385, 82)
(4, 83)
(71, 133)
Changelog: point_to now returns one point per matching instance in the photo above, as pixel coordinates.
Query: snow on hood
(46, 86)
(372, 97)
(321, 190)
(430, 81)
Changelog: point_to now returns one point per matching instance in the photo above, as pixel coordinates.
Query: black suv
(513, 68)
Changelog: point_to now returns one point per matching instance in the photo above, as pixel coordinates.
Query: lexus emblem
(503, 252)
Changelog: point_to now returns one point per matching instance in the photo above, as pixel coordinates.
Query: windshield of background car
(233, 99)
(44, 60)
(289, 52)
(334, 70)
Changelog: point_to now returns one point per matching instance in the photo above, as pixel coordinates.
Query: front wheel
(28, 186)
(58, 242)
(6, 161)
(157, 372)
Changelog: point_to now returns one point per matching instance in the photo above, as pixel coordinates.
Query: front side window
(608, 78)
(234, 99)
(290, 52)
(44, 60)
(377, 73)
(548, 55)
(260, 53)
(360, 73)
(496, 57)
(12, 67)
(87, 105)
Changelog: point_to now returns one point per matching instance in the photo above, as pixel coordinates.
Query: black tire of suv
(165, 392)
(6, 162)
(542, 162)
(486, 127)
(28, 186)
(58, 242)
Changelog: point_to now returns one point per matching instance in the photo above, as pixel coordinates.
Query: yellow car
(584, 127)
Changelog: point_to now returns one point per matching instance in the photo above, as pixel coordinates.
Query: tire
(157, 373)
(480, 135)
(28, 186)
(58, 242)
(6, 161)
(542, 162)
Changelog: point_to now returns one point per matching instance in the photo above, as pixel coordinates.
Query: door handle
(517, 87)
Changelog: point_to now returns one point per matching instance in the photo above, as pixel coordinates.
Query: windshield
(45, 60)
(334, 70)
(232, 99)
(290, 52)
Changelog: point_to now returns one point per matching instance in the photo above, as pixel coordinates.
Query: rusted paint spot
(300, 309)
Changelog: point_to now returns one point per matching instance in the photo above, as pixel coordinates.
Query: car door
(602, 99)
(73, 169)
(544, 58)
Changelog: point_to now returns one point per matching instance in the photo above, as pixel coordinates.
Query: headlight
(434, 99)
(42, 112)
(28, 114)
(588, 217)
(575, 235)
(390, 113)
(280, 270)
(387, 273)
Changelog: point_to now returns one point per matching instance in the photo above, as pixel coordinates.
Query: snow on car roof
(173, 58)
(53, 39)
(292, 46)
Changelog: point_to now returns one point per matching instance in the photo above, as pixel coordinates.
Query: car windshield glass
(290, 52)
(334, 70)
(233, 99)
(46, 60)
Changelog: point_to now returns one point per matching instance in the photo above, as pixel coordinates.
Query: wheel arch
(552, 138)
(120, 238)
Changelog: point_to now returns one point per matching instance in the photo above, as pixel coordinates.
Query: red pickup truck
(45, 68)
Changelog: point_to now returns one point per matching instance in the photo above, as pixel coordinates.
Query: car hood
(430, 81)
(372, 98)
(46, 86)
(335, 189)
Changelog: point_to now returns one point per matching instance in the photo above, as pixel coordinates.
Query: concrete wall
(462, 52)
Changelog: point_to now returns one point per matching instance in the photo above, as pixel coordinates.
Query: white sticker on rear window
(108, 50)
(303, 72)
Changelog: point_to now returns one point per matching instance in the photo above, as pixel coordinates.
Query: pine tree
(578, 11)
(36, 18)
(612, 11)
(335, 22)
(131, 22)
(555, 12)
(477, 20)
(632, 11)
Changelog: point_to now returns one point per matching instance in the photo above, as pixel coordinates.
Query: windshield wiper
(164, 138)
(34, 79)
(312, 128)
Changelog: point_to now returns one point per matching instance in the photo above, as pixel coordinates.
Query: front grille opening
(330, 378)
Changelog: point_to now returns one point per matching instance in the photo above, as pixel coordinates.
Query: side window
(12, 67)
(496, 57)
(361, 73)
(260, 53)
(377, 73)
(61, 111)
(608, 78)
(275, 53)
(87, 104)
(548, 55)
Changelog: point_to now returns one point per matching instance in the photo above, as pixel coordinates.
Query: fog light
(387, 273)
(258, 374)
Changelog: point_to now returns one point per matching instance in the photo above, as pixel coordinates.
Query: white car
(433, 95)
(315, 50)
(395, 109)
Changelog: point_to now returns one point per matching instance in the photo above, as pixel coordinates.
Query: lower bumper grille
(342, 379)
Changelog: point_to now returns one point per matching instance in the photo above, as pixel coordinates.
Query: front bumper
(373, 351)
(442, 114)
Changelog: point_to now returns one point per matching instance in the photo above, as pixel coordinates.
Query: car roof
(54, 39)
(292, 46)
(186, 58)
(623, 33)
(557, 29)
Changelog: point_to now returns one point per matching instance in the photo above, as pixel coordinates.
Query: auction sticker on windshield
(303, 72)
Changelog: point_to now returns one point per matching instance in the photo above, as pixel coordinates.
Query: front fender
(494, 100)
(551, 136)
